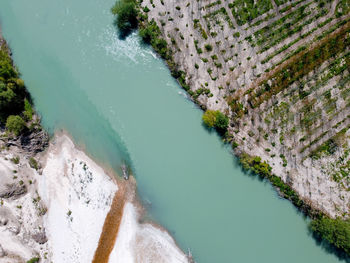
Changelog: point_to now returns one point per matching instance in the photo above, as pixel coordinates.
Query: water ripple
(130, 47)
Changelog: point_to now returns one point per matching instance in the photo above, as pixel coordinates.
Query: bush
(28, 110)
(209, 118)
(6, 68)
(216, 119)
(11, 99)
(126, 13)
(335, 231)
(150, 34)
(147, 34)
(254, 164)
(33, 163)
(208, 47)
(221, 122)
(234, 145)
(33, 260)
(12, 90)
(15, 160)
(161, 46)
(15, 124)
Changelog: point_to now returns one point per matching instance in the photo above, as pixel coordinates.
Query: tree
(221, 122)
(335, 231)
(209, 118)
(126, 19)
(28, 110)
(208, 47)
(216, 119)
(15, 124)
(6, 68)
(11, 99)
(146, 34)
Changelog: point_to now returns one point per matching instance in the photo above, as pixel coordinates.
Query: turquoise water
(118, 100)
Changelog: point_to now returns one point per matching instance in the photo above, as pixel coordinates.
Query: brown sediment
(112, 222)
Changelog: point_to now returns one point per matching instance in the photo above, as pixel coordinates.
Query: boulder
(40, 237)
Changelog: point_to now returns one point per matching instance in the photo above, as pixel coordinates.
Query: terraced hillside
(280, 70)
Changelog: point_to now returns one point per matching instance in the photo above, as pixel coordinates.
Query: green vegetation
(15, 124)
(285, 27)
(301, 65)
(126, 16)
(33, 260)
(12, 90)
(209, 118)
(256, 166)
(246, 10)
(213, 4)
(335, 231)
(208, 47)
(330, 146)
(216, 119)
(15, 160)
(33, 163)
(218, 16)
(28, 110)
(343, 8)
(15, 107)
(150, 34)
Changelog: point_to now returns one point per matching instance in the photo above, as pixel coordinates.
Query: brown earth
(113, 219)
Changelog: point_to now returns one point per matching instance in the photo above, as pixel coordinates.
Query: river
(119, 101)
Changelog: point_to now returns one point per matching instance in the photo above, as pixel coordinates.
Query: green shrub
(208, 47)
(28, 110)
(146, 9)
(221, 122)
(11, 98)
(335, 231)
(12, 90)
(237, 34)
(6, 69)
(263, 170)
(15, 160)
(216, 119)
(33, 260)
(209, 118)
(126, 16)
(161, 46)
(15, 124)
(33, 163)
(255, 165)
(234, 145)
(149, 32)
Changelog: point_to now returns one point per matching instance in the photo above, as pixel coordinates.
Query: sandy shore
(91, 216)
(69, 209)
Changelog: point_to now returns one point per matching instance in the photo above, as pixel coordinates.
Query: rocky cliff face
(280, 70)
(22, 232)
